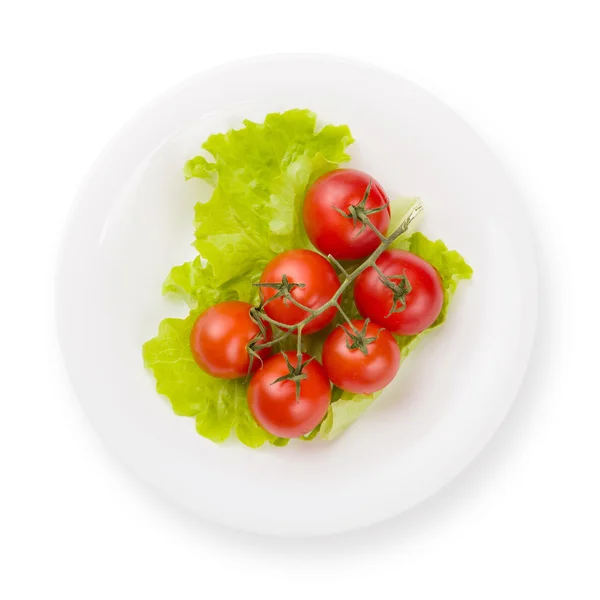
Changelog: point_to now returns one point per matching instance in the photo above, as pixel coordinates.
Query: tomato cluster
(346, 216)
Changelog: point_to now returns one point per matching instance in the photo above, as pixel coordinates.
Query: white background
(523, 521)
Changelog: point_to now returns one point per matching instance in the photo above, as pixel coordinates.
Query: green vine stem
(349, 279)
(357, 338)
(360, 213)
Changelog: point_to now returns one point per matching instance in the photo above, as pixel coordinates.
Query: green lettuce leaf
(219, 406)
(195, 283)
(259, 174)
(343, 412)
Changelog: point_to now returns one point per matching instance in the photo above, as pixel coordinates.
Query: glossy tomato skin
(320, 284)
(329, 231)
(354, 371)
(219, 338)
(423, 303)
(275, 407)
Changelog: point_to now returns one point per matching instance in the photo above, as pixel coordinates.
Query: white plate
(133, 220)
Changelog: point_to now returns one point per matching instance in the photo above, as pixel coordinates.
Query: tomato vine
(400, 289)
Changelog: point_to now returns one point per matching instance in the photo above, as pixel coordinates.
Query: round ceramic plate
(132, 221)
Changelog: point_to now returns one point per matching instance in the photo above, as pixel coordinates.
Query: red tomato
(330, 231)
(220, 336)
(276, 406)
(352, 370)
(316, 283)
(423, 302)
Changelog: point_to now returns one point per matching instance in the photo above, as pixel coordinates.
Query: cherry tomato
(277, 407)
(312, 282)
(423, 297)
(220, 336)
(352, 370)
(338, 235)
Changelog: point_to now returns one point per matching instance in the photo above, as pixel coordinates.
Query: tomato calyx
(358, 340)
(400, 290)
(295, 374)
(359, 213)
(284, 289)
